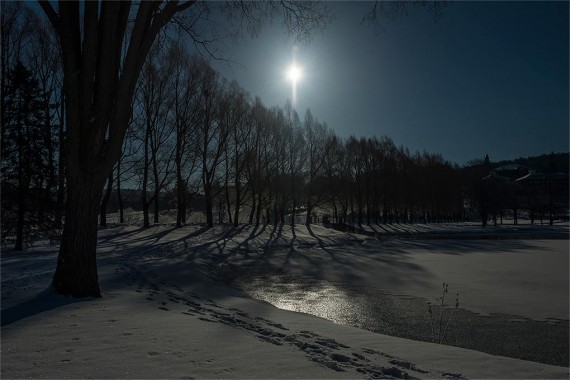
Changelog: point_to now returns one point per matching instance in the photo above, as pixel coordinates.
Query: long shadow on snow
(391, 253)
(44, 301)
(270, 257)
(216, 252)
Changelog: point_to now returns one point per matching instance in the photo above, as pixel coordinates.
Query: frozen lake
(513, 293)
(519, 276)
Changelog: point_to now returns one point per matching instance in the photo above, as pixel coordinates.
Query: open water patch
(407, 316)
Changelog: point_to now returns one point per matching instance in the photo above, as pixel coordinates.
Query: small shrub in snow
(438, 321)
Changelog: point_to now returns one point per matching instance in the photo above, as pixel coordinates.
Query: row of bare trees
(195, 132)
(374, 181)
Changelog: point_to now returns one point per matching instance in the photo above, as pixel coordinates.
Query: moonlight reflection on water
(318, 298)
(406, 316)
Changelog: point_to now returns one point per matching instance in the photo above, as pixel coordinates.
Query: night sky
(487, 77)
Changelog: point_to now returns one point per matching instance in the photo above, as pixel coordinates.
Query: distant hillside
(546, 163)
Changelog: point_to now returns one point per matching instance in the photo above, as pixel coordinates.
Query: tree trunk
(309, 217)
(180, 192)
(253, 205)
(282, 213)
(23, 185)
(145, 204)
(258, 213)
(105, 201)
(293, 215)
(334, 214)
(146, 222)
(119, 197)
(209, 204)
(228, 202)
(61, 166)
(19, 246)
(156, 203)
(180, 184)
(76, 272)
(156, 187)
(238, 203)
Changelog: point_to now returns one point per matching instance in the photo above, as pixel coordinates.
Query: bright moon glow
(294, 73)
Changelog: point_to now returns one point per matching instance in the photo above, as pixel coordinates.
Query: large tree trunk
(76, 272)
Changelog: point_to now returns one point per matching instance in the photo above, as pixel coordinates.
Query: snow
(165, 314)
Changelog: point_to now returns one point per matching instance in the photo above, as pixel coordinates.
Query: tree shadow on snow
(44, 301)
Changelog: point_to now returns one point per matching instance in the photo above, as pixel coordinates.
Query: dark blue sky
(488, 77)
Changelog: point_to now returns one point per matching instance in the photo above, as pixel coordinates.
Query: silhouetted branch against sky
(383, 10)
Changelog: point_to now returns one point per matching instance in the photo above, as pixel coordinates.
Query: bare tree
(154, 102)
(99, 84)
(316, 137)
(235, 116)
(185, 112)
(212, 136)
(255, 158)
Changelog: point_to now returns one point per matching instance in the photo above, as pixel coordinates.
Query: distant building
(517, 187)
(512, 171)
(546, 182)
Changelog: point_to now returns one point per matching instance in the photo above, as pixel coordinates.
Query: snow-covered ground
(165, 314)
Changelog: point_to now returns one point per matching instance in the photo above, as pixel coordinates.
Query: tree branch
(50, 13)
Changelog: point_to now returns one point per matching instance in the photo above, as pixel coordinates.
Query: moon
(294, 73)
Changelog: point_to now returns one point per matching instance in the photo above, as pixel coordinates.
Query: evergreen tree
(23, 153)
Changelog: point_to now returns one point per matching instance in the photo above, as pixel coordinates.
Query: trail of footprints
(326, 352)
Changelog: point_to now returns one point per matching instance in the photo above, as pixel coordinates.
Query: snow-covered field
(166, 314)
